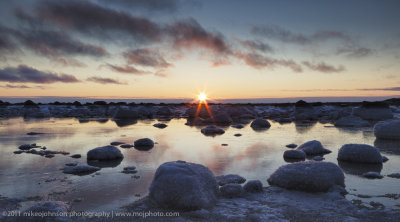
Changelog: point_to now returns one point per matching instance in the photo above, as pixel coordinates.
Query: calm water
(255, 155)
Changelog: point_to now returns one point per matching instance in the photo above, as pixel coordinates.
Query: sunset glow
(202, 97)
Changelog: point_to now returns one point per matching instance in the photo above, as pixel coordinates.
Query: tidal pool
(254, 155)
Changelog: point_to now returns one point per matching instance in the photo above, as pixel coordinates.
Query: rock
(49, 156)
(253, 186)
(384, 159)
(230, 179)
(222, 118)
(33, 133)
(313, 147)
(49, 206)
(76, 156)
(160, 125)
(80, 169)
(126, 146)
(143, 144)
(308, 176)
(123, 113)
(212, 130)
(389, 129)
(185, 186)
(116, 143)
(71, 164)
(224, 144)
(104, 153)
(291, 146)
(351, 121)
(26, 146)
(318, 158)
(164, 111)
(394, 175)
(359, 153)
(373, 113)
(18, 151)
(294, 154)
(260, 124)
(373, 175)
(238, 134)
(231, 190)
(130, 170)
(237, 126)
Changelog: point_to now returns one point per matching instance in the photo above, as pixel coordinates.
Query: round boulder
(253, 186)
(105, 153)
(313, 147)
(143, 144)
(389, 129)
(359, 153)
(308, 176)
(183, 186)
(260, 124)
(212, 130)
(294, 154)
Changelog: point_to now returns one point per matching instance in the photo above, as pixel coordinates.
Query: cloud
(284, 35)
(355, 52)
(101, 80)
(149, 5)
(256, 45)
(381, 89)
(188, 34)
(9, 86)
(323, 67)
(127, 69)
(95, 20)
(259, 61)
(146, 57)
(26, 74)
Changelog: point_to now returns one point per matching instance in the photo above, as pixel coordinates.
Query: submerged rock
(389, 129)
(230, 179)
(182, 185)
(313, 147)
(359, 153)
(76, 156)
(294, 154)
(351, 121)
(160, 125)
(237, 126)
(129, 170)
(394, 175)
(318, 158)
(291, 146)
(308, 176)
(27, 146)
(80, 169)
(104, 153)
(33, 133)
(253, 186)
(143, 144)
(373, 175)
(231, 190)
(260, 124)
(126, 146)
(116, 143)
(212, 130)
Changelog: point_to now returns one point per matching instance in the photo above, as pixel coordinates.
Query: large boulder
(104, 153)
(313, 147)
(260, 124)
(389, 129)
(351, 121)
(253, 186)
(124, 113)
(359, 153)
(182, 185)
(308, 176)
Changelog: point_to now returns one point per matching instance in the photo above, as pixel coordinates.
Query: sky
(229, 49)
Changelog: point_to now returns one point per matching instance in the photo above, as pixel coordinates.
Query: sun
(202, 97)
